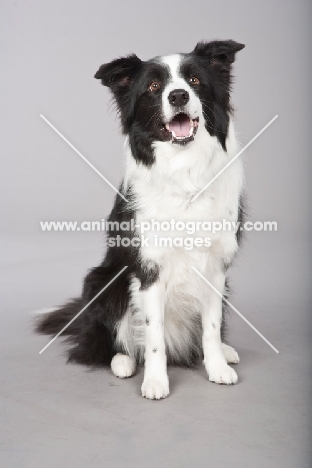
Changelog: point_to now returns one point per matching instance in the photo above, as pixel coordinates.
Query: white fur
(214, 359)
(155, 384)
(230, 354)
(179, 302)
(194, 106)
(123, 366)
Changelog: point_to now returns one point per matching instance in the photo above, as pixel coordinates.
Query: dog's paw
(230, 354)
(123, 366)
(222, 374)
(155, 389)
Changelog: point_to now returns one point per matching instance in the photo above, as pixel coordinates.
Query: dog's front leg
(155, 384)
(216, 365)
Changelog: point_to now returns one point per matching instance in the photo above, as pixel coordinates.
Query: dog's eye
(194, 80)
(154, 86)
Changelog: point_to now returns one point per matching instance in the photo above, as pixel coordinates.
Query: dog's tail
(53, 322)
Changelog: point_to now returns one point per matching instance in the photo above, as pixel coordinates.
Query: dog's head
(168, 98)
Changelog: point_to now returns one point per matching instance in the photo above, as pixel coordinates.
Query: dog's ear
(119, 76)
(119, 73)
(218, 52)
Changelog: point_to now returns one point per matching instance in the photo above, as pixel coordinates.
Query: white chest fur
(164, 192)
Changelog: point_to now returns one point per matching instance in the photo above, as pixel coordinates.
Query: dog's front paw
(222, 374)
(155, 388)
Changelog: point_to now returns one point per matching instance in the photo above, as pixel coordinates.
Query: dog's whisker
(151, 119)
(206, 105)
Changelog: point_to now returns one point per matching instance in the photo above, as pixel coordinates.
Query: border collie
(176, 115)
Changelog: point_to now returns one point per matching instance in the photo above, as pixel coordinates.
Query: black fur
(140, 110)
(93, 334)
(54, 321)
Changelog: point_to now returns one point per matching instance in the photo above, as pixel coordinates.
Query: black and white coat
(158, 311)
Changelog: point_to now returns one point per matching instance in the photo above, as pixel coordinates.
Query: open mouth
(182, 128)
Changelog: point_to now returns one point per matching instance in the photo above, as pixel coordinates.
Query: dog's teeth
(173, 134)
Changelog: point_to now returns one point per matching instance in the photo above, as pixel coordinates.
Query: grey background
(58, 415)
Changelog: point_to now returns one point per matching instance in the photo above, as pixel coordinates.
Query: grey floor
(59, 415)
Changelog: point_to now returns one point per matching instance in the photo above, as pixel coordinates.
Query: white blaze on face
(193, 108)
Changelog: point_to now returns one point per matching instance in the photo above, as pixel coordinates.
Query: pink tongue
(181, 127)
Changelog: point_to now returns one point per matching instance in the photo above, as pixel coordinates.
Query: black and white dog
(176, 114)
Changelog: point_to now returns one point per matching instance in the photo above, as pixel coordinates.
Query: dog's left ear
(218, 52)
(119, 73)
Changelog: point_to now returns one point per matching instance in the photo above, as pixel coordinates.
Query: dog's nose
(178, 97)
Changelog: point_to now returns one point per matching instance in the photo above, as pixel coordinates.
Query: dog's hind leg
(123, 366)
(230, 354)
